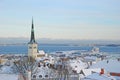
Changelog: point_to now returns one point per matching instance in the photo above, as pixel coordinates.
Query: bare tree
(24, 65)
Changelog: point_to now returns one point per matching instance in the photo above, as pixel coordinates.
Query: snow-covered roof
(97, 76)
(43, 71)
(77, 65)
(89, 71)
(41, 52)
(108, 65)
(90, 58)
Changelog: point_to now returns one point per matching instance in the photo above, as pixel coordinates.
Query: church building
(32, 45)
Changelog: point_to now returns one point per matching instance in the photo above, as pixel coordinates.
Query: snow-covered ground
(6, 69)
(8, 77)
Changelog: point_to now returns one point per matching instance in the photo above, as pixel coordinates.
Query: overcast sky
(61, 19)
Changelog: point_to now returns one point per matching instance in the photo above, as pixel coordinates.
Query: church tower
(32, 45)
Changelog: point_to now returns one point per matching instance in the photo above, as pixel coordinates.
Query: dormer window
(46, 75)
(40, 76)
(34, 47)
(34, 76)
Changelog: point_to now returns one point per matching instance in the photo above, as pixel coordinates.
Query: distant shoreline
(109, 45)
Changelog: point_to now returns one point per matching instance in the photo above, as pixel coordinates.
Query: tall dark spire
(32, 40)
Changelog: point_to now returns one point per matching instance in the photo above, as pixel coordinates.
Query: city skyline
(64, 19)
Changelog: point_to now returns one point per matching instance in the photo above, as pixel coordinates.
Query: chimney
(102, 71)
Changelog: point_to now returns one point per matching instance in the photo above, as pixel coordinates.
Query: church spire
(32, 40)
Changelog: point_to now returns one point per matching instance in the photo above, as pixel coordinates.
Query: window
(34, 76)
(30, 47)
(46, 75)
(34, 47)
(39, 65)
(40, 76)
(44, 65)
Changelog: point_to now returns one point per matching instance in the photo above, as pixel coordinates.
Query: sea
(48, 48)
